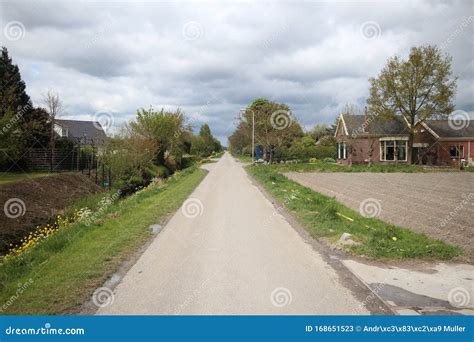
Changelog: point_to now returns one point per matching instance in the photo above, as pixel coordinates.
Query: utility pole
(253, 132)
(253, 137)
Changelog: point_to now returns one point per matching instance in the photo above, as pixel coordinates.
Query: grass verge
(321, 166)
(62, 272)
(326, 218)
(12, 177)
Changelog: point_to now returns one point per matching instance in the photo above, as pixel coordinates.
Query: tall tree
(275, 125)
(205, 143)
(165, 127)
(22, 126)
(320, 131)
(54, 106)
(417, 88)
(13, 94)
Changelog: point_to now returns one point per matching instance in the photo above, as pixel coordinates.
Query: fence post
(103, 174)
(110, 177)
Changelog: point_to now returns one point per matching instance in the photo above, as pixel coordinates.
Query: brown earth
(440, 205)
(33, 202)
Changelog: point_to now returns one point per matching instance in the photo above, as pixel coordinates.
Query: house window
(341, 151)
(63, 131)
(391, 150)
(456, 151)
(401, 150)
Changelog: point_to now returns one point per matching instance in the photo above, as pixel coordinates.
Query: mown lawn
(327, 219)
(12, 177)
(66, 268)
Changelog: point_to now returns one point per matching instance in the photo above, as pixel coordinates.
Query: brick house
(367, 139)
(438, 142)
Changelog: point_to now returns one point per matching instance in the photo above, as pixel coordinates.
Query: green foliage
(321, 131)
(164, 128)
(22, 126)
(205, 144)
(323, 152)
(83, 257)
(275, 126)
(329, 160)
(303, 148)
(13, 94)
(416, 88)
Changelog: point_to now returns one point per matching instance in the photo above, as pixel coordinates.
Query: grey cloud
(119, 56)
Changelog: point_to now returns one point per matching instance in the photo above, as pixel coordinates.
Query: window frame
(459, 148)
(383, 149)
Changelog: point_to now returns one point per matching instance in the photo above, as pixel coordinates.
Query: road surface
(229, 251)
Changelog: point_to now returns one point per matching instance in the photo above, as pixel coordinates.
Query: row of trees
(418, 88)
(279, 134)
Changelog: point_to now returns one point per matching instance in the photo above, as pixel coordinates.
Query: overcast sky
(213, 58)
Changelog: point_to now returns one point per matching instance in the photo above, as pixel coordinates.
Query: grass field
(12, 177)
(327, 219)
(62, 272)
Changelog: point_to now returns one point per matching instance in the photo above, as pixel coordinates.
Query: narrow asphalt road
(229, 251)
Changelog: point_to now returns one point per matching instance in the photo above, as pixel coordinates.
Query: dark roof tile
(452, 129)
(372, 125)
(79, 129)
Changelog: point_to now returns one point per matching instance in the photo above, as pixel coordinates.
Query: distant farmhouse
(366, 139)
(84, 132)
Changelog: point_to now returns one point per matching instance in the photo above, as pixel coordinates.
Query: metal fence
(80, 159)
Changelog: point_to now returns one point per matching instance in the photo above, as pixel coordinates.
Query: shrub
(188, 161)
(162, 172)
(282, 153)
(329, 160)
(131, 185)
(303, 148)
(323, 152)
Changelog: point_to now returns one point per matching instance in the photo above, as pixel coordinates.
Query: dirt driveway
(438, 204)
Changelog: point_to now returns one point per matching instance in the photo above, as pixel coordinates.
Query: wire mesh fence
(84, 159)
